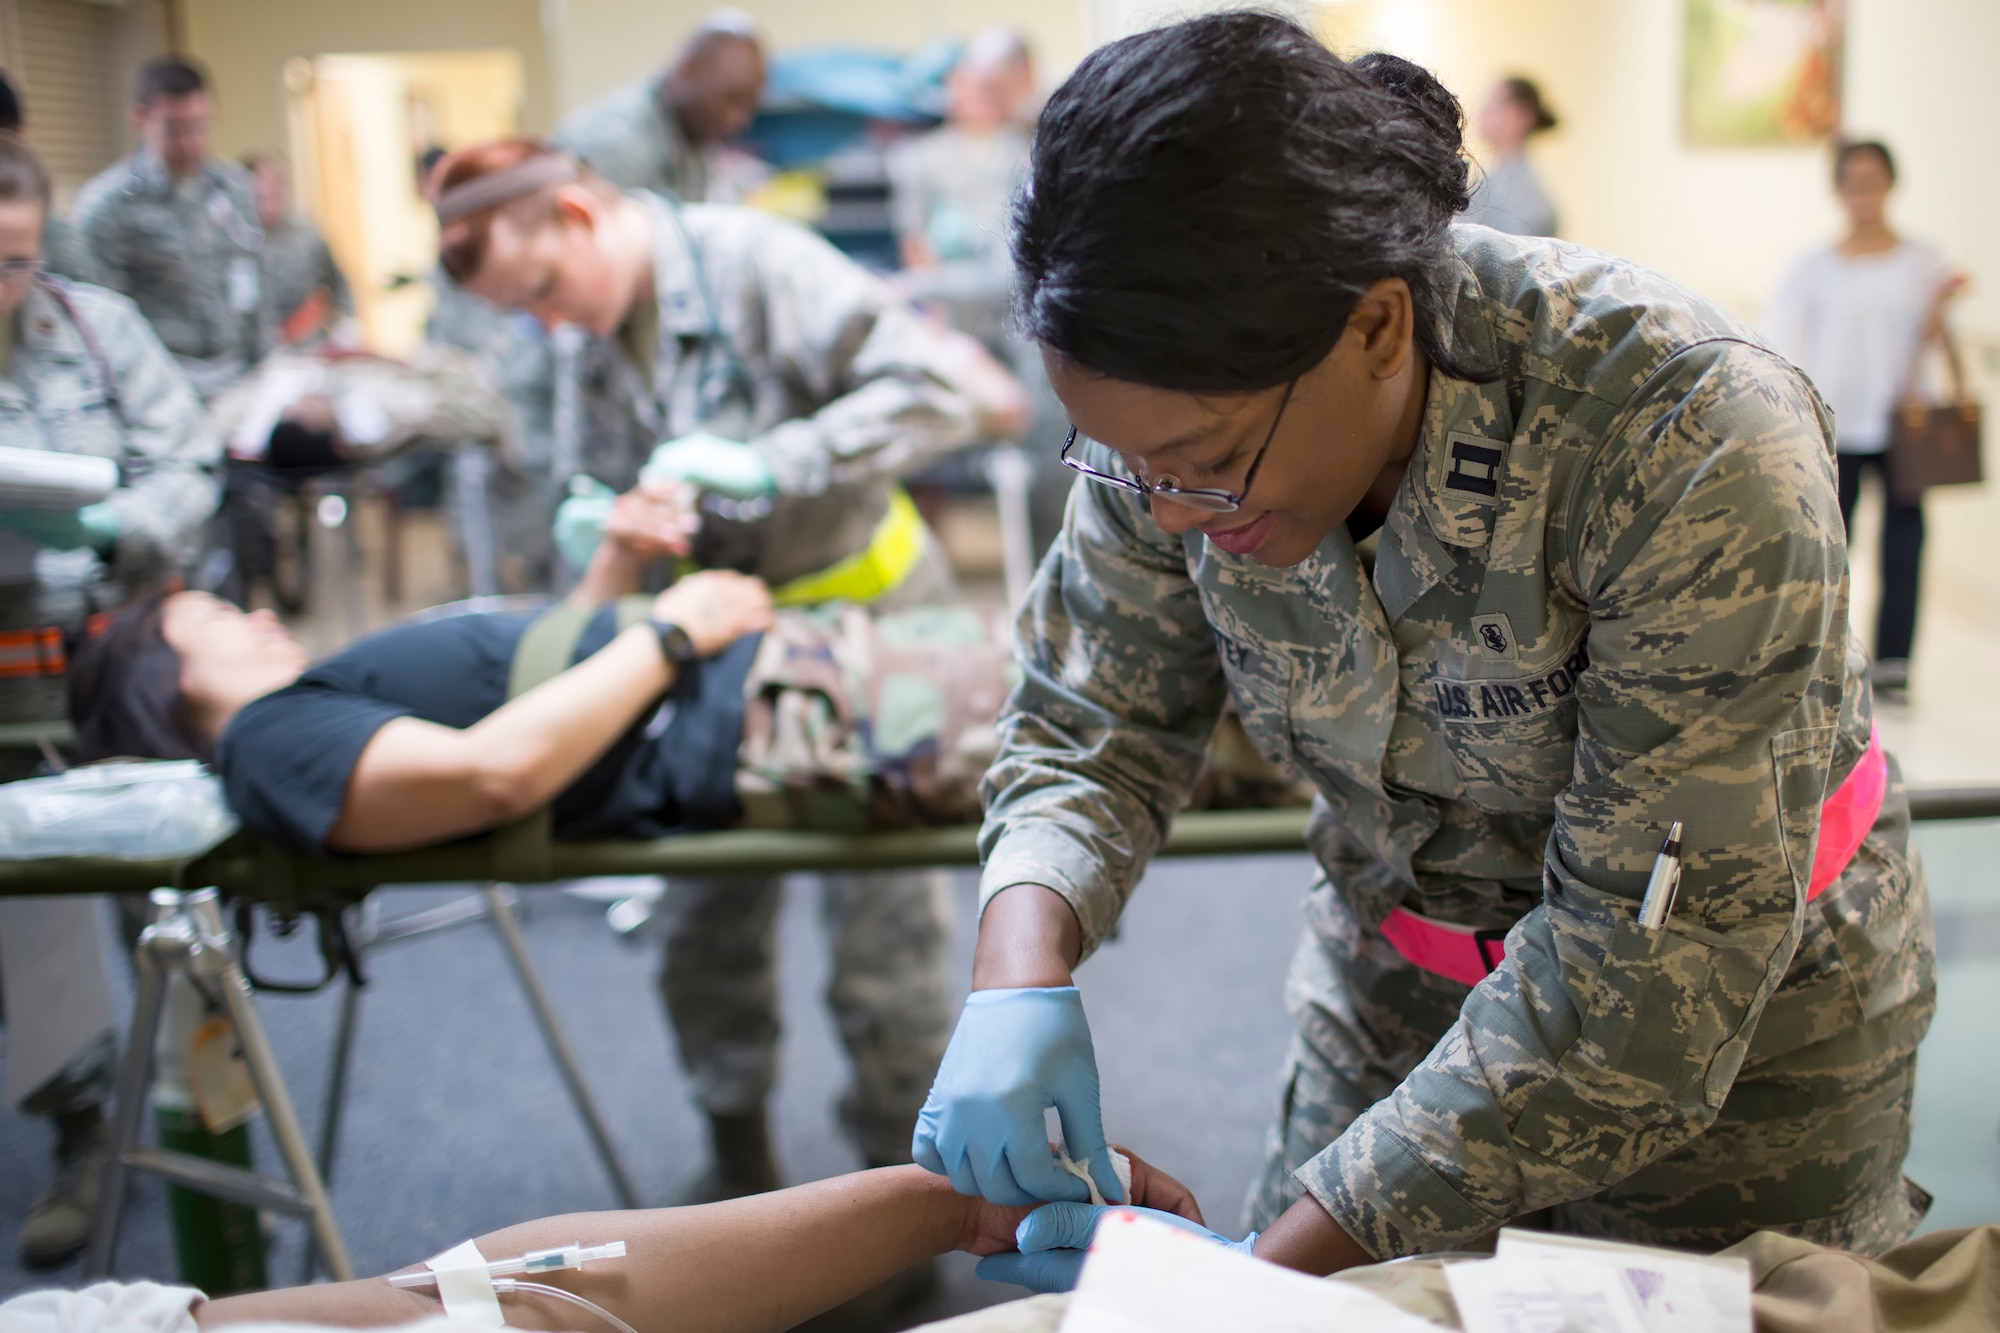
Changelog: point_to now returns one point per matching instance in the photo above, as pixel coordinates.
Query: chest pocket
(1260, 685)
(1512, 736)
(71, 416)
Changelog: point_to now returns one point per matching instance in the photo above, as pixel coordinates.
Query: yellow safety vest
(894, 550)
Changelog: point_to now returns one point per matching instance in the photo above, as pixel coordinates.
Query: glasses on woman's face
(1207, 499)
(16, 272)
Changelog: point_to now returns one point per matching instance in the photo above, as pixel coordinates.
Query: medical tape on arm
(465, 1286)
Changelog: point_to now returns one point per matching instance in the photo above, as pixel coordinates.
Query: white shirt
(149, 1307)
(1854, 325)
(1510, 198)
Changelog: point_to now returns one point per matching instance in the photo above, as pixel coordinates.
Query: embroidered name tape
(1481, 700)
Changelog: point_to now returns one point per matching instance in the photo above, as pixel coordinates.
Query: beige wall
(247, 42)
(604, 43)
(1724, 221)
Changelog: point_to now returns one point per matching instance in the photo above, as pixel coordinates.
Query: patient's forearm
(614, 572)
(765, 1262)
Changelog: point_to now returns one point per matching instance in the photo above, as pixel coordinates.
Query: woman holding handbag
(1858, 316)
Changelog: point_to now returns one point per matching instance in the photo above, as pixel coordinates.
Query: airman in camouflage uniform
(1611, 593)
(762, 332)
(657, 134)
(633, 139)
(64, 253)
(188, 252)
(87, 376)
(297, 264)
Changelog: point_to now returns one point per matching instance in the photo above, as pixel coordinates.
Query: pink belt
(1467, 955)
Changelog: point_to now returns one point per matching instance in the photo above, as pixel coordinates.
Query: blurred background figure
(793, 392)
(660, 133)
(306, 296)
(1858, 316)
(1509, 195)
(951, 190)
(952, 186)
(63, 250)
(80, 373)
(175, 228)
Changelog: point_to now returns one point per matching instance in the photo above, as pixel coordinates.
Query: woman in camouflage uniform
(80, 373)
(746, 360)
(1522, 554)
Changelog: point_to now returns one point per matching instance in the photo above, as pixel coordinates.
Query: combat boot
(58, 1224)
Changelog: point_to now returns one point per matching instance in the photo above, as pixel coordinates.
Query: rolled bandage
(1121, 1166)
(465, 1286)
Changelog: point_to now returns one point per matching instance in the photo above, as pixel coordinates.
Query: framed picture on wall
(1761, 72)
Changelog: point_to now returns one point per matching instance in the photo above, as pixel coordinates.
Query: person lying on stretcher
(761, 1263)
(708, 709)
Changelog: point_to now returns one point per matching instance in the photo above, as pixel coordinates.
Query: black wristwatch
(675, 645)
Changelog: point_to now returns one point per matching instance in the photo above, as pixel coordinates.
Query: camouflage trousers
(889, 993)
(1810, 1141)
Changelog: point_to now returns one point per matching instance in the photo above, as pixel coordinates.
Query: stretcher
(246, 868)
(189, 934)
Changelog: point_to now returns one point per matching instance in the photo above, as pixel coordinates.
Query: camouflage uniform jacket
(64, 253)
(296, 264)
(187, 252)
(56, 393)
(1610, 593)
(769, 335)
(633, 140)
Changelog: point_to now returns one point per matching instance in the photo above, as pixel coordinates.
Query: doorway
(359, 125)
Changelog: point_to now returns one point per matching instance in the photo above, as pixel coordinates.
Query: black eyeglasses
(1194, 497)
(14, 272)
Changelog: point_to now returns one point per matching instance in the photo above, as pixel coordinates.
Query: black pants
(1902, 555)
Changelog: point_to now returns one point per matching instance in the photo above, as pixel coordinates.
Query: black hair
(22, 175)
(1525, 94)
(170, 76)
(11, 115)
(1207, 202)
(125, 690)
(1851, 148)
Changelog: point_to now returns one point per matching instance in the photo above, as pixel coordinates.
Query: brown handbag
(1933, 446)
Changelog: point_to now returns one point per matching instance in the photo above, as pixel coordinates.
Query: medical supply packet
(128, 811)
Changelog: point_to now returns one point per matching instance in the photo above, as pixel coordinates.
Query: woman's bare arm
(418, 783)
(765, 1262)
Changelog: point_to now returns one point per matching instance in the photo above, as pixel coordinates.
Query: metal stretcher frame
(249, 869)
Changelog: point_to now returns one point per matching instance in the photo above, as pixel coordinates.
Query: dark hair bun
(1208, 200)
(1417, 87)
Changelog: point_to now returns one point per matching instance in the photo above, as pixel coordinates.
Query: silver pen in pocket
(1664, 884)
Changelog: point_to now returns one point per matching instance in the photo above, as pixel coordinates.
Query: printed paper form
(1675, 1292)
(1542, 1296)
(1144, 1276)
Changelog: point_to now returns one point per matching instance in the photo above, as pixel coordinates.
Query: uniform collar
(1455, 483)
(47, 332)
(150, 174)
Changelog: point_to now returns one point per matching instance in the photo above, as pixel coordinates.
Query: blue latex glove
(712, 463)
(63, 529)
(101, 528)
(1014, 1054)
(581, 520)
(1053, 1238)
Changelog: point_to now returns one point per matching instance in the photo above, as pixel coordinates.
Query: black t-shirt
(285, 759)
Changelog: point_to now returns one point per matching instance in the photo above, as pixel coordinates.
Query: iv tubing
(506, 1285)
